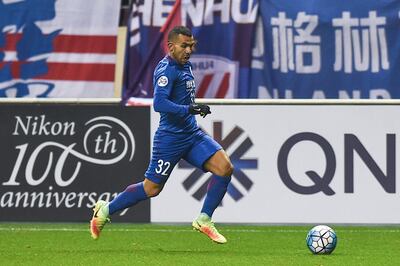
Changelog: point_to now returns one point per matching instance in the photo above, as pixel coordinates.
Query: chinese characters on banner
(289, 51)
(323, 50)
(274, 48)
(369, 54)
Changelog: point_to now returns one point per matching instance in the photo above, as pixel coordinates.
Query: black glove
(199, 109)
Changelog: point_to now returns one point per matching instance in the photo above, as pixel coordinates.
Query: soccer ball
(321, 239)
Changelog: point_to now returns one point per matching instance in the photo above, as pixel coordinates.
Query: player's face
(181, 48)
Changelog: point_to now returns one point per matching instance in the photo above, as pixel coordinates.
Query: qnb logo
(107, 140)
(352, 146)
(239, 178)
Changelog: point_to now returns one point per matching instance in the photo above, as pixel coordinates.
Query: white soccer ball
(321, 239)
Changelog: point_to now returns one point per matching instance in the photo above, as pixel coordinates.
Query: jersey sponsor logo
(190, 84)
(162, 81)
(195, 184)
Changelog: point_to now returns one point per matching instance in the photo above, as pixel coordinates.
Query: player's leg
(164, 158)
(208, 155)
(132, 195)
(220, 165)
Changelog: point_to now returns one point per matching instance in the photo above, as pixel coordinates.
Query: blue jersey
(178, 135)
(174, 91)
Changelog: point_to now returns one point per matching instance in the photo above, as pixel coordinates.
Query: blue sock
(129, 197)
(215, 192)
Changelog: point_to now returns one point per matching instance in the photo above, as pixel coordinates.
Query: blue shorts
(196, 148)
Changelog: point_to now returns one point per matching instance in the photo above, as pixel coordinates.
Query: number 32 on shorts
(162, 167)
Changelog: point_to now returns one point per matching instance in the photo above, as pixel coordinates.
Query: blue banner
(224, 31)
(273, 48)
(327, 49)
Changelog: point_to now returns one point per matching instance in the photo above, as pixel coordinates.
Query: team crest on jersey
(162, 81)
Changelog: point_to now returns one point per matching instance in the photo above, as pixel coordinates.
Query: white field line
(37, 229)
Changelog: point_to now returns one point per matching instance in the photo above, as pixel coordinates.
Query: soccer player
(178, 136)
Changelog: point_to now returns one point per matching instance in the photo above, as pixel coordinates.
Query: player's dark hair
(179, 30)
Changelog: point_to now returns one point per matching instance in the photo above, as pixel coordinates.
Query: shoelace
(212, 227)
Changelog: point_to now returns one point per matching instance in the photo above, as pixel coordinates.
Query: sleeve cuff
(186, 108)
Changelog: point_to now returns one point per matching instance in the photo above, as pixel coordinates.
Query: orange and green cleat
(99, 219)
(204, 225)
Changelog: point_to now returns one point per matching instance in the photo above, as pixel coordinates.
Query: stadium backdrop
(58, 159)
(273, 48)
(297, 163)
(246, 48)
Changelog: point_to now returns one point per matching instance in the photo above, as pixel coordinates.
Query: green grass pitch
(150, 244)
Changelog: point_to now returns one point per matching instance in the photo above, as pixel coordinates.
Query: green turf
(132, 244)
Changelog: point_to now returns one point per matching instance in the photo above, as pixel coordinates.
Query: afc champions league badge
(162, 81)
